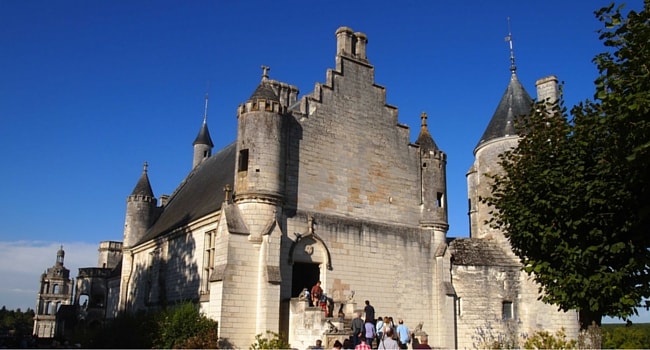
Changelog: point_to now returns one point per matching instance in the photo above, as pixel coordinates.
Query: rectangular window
(459, 307)
(439, 199)
(208, 259)
(243, 160)
(506, 312)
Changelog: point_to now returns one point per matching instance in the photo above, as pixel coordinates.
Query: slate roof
(203, 138)
(424, 138)
(479, 252)
(143, 187)
(264, 91)
(201, 193)
(514, 103)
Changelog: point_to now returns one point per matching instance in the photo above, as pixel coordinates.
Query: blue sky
(92, 89)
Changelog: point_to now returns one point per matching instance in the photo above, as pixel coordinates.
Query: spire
(143, 187)
(508, 38)
(205, 110)
(203, 138)
(424, 139)
(515, 102)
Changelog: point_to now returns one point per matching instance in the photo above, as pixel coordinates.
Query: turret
(140, 210)
(203, 143)
(433, 184)
(500, 136)
(261, 145)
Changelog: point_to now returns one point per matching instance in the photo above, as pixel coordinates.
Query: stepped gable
(480, 252)
(200, 194)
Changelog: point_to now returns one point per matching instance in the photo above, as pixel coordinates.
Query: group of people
(380, 330)
(380, 333)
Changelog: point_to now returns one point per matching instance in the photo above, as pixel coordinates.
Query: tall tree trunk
(587, 318)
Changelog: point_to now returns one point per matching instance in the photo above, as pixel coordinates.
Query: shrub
(270, 340)
(547, 340)
(177, 325)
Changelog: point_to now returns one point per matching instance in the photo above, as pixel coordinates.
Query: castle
(325, 187)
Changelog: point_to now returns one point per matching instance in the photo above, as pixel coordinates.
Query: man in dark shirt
(357, 329)
(370, 312)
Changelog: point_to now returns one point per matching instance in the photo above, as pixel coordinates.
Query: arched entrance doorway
(304, 275)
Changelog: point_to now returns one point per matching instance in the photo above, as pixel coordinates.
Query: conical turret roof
(203, 138)
(264, 90)
(143, 187)
(424, 138)
(514, 103)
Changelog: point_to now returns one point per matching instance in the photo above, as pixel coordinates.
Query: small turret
(433, 183)
(261, 145)
(203, 143)
(140, 210)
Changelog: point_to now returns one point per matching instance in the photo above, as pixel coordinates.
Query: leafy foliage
(180, 327)
(16, 321)
(126, 331)
(630, 336)
(16, 328)
(176, 326)
(270, 340)
(573, 197)
(547, 340)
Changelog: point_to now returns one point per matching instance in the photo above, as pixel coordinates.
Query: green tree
(630, 336)
(177, 325)
(573, 196)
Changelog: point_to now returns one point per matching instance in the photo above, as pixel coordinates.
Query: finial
(265, 72)
(146, 165)
(205, 110)
(423, 116)
(508, 38)
(227, 190)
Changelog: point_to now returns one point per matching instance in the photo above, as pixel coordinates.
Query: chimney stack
(360, 46)
(547, 88)
(344, 41)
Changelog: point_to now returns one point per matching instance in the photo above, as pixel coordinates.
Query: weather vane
(508, 38)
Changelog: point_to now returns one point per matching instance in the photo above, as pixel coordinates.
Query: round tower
(203, 143)
(261, 146)
(140, 210)
(433, 184)
(499, 137)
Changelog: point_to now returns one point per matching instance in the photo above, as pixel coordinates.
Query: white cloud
(23, 262)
